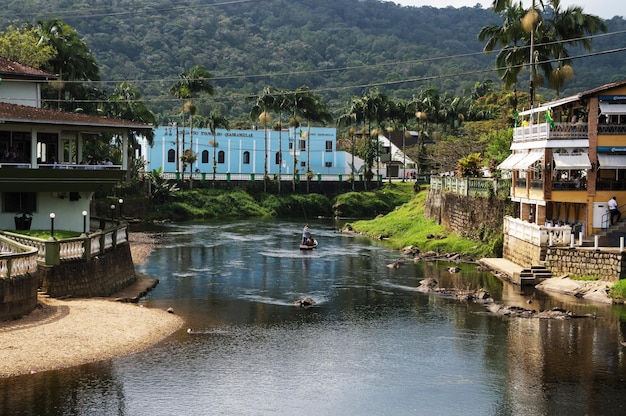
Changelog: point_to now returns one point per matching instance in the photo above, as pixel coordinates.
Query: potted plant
(23, 220)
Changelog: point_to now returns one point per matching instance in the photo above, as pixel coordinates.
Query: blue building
(241, 152)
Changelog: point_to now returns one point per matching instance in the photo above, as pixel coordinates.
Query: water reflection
(372, 344)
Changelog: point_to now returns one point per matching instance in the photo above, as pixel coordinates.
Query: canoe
(308, 246)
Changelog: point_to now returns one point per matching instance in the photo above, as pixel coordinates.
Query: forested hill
(338, 48)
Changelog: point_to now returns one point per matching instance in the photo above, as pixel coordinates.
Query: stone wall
(521, 252)
(471, 217)
(609, 266)
(104, 275)
(18, 296)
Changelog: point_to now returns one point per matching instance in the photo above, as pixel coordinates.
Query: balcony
(544, 131)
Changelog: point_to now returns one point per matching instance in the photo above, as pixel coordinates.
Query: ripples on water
(371, 345)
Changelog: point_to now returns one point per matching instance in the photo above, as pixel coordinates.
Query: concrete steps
(533, 275)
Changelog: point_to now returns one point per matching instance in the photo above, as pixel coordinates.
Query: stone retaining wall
(471, 217)
(521, 252)
(608, 266)
(18, 296)
(104, 275)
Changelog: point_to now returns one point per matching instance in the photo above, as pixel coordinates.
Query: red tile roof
(14, 113)
(12, 69)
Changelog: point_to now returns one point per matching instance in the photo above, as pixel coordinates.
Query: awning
(608, 161)
(510, 161)
(572, 161)
(528, 160)
(611, 109)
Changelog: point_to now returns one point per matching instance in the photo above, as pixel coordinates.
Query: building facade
(246, 152)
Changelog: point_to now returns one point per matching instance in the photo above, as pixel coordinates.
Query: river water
(371, 345)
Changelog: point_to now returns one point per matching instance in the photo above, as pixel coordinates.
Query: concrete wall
(609, 266)
(18, 296)
(104, 275)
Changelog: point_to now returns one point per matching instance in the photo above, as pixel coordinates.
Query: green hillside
(338, 48)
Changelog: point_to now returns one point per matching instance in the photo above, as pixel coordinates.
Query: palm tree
(315, 111)
(73, 60)
(215, 121)
(281, 105)
(568, 27)
(264, 102)
(351, 118)
(376, 110)
(401, 113)
(190, 85)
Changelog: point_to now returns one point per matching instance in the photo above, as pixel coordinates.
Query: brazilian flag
(549, 119)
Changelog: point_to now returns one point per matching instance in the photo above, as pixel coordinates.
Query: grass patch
(372, 203)
(406, 226)
(618, 291)
(45, 234)
(586, 278)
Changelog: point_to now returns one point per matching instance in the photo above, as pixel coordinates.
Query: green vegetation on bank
(406, 226)
(618, 291)
(208, 203)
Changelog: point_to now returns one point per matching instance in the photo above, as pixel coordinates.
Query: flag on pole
(549, 119)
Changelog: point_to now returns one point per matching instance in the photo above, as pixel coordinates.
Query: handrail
(16, 259)
(605, 222)
(53, 252)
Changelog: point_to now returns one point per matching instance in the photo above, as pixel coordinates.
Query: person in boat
(306, 234)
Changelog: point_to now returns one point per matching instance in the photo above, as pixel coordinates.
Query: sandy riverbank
(66, 333)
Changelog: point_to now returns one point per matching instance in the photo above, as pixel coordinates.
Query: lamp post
(52, 216)
(112, 212)
(85, 222)
(121, 202)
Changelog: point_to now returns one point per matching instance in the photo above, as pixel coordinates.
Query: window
(246, 158)
(19, 202)
(278, 158)
(303, 164)
(221, 156)
(329, 164)
(290, 146)
(205, 156)
(303, 145)
(171, 156)
(329, 145)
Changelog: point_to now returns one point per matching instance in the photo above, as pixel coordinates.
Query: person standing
(614, 211)
(306, 233)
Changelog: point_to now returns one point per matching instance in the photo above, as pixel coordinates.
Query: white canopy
(572, 161)
(608, 161)
(528, 160)
(510, 161)
(612, 109)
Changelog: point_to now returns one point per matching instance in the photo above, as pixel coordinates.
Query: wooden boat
(309, 246)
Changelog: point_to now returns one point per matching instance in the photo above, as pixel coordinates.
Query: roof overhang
(551, 104)
(608, 161)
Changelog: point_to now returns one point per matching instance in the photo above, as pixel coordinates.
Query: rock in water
(304, 303)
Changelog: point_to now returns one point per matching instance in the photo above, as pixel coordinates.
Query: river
(371, 345)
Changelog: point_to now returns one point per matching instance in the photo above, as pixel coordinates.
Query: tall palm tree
(350, 119)
(567, 27)
(376, 110)
(314, 111)
(73, 61)
(215, 121)
(260, 111)
(191, 85)
(282, 104)
(401, 113)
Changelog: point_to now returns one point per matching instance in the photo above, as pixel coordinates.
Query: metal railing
(471, 186)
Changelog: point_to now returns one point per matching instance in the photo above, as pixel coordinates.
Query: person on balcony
(614, 211)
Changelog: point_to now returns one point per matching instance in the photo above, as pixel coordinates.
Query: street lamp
(121, 202)
(85, 222)
(52, 215)
(112, 212)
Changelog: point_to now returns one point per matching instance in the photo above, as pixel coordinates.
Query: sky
(605, 9)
